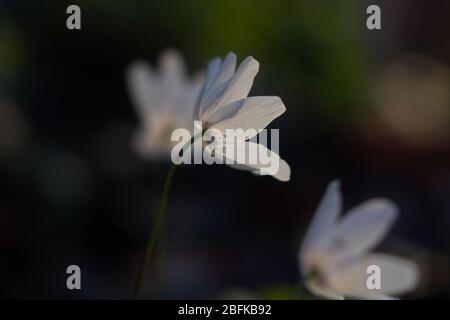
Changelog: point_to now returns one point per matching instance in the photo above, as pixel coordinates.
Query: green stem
(158, 219)
(154, 232)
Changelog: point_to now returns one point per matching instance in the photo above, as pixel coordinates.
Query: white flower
(224, 104)
(164, 100)
(335, 252)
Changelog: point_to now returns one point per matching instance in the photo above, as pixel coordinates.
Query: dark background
(370, 108)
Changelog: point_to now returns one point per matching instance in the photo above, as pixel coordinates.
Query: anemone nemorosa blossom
(224, 104)
(336, 251)
(164, 100)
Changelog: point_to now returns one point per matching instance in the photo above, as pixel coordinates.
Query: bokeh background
(371, 108)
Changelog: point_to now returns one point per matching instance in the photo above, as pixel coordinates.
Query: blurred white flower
(411, 97)
(224, 104)
(164, 100)
(336, 251)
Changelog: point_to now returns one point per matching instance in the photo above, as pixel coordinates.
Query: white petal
(173, 79)
(283, 174)
(255, 113)
(227, 69)
(363, 227)
(252, 150)
(284, 171)
(324, 292)
(237, 88)
(171, 65)
(144, 88)
(211, 73)
(225, 113)
(219, 84)
(397, 276)
(323, 221)
(187, 102)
